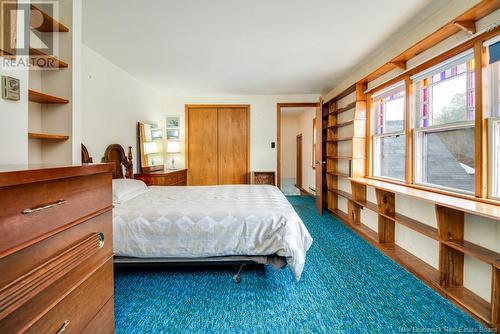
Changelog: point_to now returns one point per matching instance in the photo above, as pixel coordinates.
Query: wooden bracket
(467, 26)
(399, 64)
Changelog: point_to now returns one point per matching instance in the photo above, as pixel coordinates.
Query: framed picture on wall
(172, 122)
(173, 134)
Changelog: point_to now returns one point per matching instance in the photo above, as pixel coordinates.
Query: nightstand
(167, 177)
(263, 178)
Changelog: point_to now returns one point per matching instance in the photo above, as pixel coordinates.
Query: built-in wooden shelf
(5, 54)
(417, 226)
(49, 24)
(46, 61)
(471, 302)
(461, 204)
(342, 193)
(338, 174)
(474, 250)
(348, 107)
(340, 125)
(38, 97)
(340, 157)
(33, 135)
(343, 139)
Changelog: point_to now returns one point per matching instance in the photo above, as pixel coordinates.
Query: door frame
(278, 132)
(186, 132)
(298, 176)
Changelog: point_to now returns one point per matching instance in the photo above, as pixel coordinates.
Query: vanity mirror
(150, 144)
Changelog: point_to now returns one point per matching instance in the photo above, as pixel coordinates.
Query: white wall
(14, 123)
(306, 128)
(113, 101)
(289, 131)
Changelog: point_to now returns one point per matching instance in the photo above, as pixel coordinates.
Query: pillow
(126, 189)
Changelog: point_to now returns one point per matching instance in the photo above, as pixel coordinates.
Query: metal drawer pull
(63, 327)
(40, 208)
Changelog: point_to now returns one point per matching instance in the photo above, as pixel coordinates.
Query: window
(444, 133)
(388, 110)
(494, 125)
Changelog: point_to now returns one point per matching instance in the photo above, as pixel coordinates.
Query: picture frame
(172, 122)
(173, 134)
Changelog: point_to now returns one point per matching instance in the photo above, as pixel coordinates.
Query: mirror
(151, 147)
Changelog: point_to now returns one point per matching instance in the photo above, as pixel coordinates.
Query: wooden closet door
(202, 146)
(233, 130)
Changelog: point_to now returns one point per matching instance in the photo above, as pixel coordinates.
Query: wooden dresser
(167, 177)
(56, 249)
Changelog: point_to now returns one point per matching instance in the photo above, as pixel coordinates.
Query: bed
(203, 224)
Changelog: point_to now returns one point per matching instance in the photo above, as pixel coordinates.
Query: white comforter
(211, 221)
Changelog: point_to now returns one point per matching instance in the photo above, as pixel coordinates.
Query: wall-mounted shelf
(48, 61)
(340, 125)
(38, 97)
(338, 174)
(33, 135)
(49, 24)
(348, 107)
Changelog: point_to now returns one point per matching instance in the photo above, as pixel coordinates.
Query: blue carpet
(347, 287)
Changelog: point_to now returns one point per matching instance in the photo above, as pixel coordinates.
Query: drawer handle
(101, 239)
(63, 327)
(43, 207)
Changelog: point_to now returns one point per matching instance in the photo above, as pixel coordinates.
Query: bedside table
(167, 177)
(263, 178)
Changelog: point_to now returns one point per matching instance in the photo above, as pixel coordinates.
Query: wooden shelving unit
(48, 23)
(32, 135)
(49, 125)
(448, 279)
(45, 60)
(38, 97)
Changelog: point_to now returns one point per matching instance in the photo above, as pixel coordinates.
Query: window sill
(481, 207)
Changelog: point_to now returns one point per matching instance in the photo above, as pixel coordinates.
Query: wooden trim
(466, 45)
(473, 14)
(480, 125)
(469, 26)
(349, 90)
(368, 131)
(408, 131)
(278, 132)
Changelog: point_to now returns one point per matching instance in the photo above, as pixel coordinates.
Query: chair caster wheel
(237, 278)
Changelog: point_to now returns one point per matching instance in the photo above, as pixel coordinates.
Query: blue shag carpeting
(347, 287)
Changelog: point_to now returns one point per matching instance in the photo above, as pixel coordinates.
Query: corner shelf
(57, 63)
(38, 97)
(33, 135)
(49, 24)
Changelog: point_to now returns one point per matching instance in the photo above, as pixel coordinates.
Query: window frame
(493, 156)
(376, 138)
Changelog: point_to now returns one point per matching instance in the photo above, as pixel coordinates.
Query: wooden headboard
(116, 154)
(86, 158)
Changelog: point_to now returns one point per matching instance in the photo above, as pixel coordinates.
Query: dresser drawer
(104, 321)
(34, 211)
(77, 309)
(27, 304)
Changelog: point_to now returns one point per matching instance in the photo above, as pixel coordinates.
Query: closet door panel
(233, 130)
(202, 146)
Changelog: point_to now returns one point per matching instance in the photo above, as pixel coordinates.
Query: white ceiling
(243, 46)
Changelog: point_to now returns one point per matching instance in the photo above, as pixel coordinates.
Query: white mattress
(207, 221)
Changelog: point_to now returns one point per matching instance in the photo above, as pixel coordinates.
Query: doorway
(298, 168)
